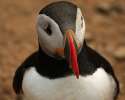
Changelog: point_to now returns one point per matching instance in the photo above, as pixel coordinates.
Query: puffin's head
(61, 29)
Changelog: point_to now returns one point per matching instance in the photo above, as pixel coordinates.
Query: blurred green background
(105, 32)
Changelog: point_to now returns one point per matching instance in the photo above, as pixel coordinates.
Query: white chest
(99, 86)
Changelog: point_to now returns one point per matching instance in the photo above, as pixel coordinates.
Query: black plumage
(63, 13)
(50, 67)
(89, 60)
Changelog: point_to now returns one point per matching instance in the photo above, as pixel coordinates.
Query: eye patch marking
(48, 30)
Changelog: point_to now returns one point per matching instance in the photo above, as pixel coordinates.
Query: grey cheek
(49, 42)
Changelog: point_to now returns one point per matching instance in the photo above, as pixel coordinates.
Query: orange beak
(71, 49)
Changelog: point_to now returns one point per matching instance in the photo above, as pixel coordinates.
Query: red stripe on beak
(73, 55)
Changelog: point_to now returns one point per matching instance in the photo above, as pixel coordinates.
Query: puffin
(64, 67)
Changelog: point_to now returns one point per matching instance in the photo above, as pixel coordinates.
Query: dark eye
(48, 30)
(82, 21)
(82, 18)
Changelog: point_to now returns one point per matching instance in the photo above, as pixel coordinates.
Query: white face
(50, 36)
(80, 27)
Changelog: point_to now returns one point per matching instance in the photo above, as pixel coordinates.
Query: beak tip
(77, 76)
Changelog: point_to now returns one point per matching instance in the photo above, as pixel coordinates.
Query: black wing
(100, 61)
(18, 77)
(93, 60)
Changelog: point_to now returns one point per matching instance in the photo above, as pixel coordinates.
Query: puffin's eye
(82, 18)
(48, 30)
(82, 21)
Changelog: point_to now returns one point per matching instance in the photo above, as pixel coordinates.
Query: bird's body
(44, 76)
(37, 83)
(98, 86)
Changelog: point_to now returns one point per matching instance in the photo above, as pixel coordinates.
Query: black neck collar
(88, 60)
